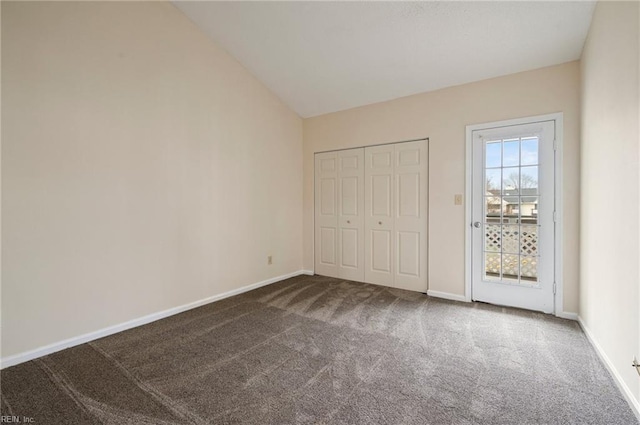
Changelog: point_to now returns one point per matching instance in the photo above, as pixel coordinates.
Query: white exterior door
(513, 203)
(379, 220)
(326, 214)
(351, 214)
(410, 213)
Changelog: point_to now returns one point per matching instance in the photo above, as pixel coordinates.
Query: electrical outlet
(457, 199)
(270, 260)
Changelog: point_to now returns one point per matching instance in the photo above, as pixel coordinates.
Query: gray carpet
(320, 350)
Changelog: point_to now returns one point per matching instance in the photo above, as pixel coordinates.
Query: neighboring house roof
(528, 196)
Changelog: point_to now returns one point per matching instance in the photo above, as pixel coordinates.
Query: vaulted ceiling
(321, 57)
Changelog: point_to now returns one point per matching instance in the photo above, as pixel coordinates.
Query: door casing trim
(558, 299)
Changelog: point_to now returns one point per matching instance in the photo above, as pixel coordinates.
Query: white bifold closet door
(371, 214)
(396, 179)
(339, 212)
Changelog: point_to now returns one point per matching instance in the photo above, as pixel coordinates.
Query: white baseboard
(81, 339)
(308, 272)
(624, 389)
(567, 315)
(447, 296)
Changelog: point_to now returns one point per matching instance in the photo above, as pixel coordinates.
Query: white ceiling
(321, 57)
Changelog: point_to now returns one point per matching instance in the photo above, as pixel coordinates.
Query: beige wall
(142, 169)
(442, 116)
(610, 209)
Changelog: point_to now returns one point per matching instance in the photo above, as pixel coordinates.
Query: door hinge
(554, 288)
(555, 144)
(555, 217)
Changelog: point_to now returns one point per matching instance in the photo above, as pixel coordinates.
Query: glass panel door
(513, 200)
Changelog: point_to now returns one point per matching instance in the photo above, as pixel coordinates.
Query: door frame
(559, 216)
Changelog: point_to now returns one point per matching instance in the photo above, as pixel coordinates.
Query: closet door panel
(381, 257)
(351, 214)
(326, 214)
(410, 215)
(379, 222)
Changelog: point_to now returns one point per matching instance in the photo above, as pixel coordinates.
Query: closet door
(351, 214)
(410, 215)
(326, 214)
(379, 220)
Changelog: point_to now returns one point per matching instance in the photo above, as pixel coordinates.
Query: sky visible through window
(521, 154)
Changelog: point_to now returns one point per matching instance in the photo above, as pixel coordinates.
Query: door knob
(476, 224)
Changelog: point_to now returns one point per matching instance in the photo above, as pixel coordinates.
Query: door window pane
(492, 237)
(529, 151)
(510, 267)
(493, 181)
(510, 238)
(511, 180)
(493, 209)
(529, 268)
(492, 265)
(529, 180)
(511, 153)
(529, 240)
(493, 154)
(529, 209)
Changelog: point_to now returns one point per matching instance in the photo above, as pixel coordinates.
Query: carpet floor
(318, 350)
